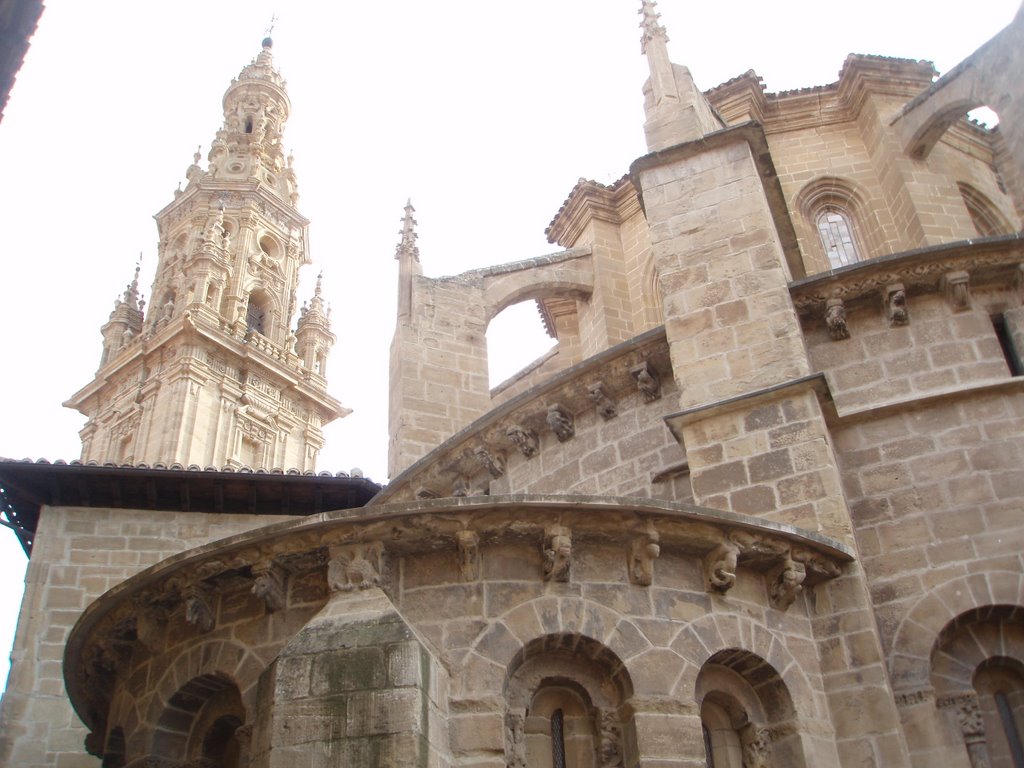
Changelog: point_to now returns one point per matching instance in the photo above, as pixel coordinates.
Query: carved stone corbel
(896, 305)
(605, 407)
(817, 567)
(972, 726)
(151, 622)
(355, 566)
(956, 286)
(835, 319)
(643, 551)
(720, 567)
(786, 582)
(197, 609)
(560, 422)
(268, 584)
(494, 463)
(647, 382)
(469, 554)
(525, 440)
(557, 553)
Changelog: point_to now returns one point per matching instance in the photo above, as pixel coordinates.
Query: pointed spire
(676, 109)
(131, 293)
(407, 245)
(652, 28)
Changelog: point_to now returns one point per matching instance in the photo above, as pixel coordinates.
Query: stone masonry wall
(78, 555)
(938, 350)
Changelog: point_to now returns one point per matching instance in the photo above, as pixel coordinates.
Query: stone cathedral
(761, 506)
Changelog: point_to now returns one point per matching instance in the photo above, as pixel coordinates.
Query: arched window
(747, 714)
(1000, 687)
(202, 724)
(843, 227)
(988, 221)
(836, 233)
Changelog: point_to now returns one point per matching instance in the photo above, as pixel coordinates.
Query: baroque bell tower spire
(211, 374)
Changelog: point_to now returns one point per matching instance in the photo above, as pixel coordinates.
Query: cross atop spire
(407, 245)
(652, 28)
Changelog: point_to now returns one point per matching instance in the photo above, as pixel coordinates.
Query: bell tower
(214, 373)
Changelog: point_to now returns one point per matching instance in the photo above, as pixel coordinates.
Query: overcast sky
(484, 113)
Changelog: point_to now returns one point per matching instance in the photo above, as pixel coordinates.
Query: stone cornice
(303, 546)
(590, 200)
(985, 260)
(458, 455)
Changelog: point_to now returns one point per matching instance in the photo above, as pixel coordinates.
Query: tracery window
(836, 232)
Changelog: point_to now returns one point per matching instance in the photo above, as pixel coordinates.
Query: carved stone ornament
(560, 422)
(610, 734)
(494, 463)
(757, 746)
(605, 407)
(972, 725)
(896, 305)
(469, 554)
(647, 382)
(197, 609)
(957, 288)
(426, 493)
(785, 583)
(268, 584)
(643, 551)
(835, 319)
(355, 566)
(557, 553)
(720, 567)
(515, 740)
(525, 440)
(461, 488)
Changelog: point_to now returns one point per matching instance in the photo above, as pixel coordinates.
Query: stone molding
(350, 549)
(984, 261)
(513, 429)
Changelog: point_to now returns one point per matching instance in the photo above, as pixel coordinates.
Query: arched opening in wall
(270, 247)
(567, 699)
(654, 310)
(202, 723)
(841, 229)
(988, 221)
(517, 339)
(977, 670)
(747, 714)
(257, 313)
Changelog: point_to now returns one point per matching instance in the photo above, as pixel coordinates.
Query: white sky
(484, 113)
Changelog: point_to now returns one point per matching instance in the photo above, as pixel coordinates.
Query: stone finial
(650, 25)
(557, 553)
(896, 305)
(356, 566)
(605, 407)
(407, 247)
(268, 584)
(643, 551)
(561, 422)
(647, 382)
(785, 583)
(469, 554)
(957, 288)
(525, 440)
(494, 463)
(720, 567)
(835, 319)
